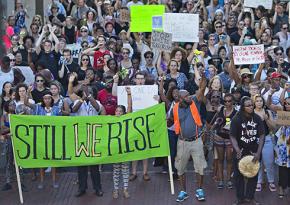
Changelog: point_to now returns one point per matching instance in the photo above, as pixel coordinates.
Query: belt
(189, 139)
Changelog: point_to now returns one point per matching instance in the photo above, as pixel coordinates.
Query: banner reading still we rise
(49, 141)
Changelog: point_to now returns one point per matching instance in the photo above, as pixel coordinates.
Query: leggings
(117, 169)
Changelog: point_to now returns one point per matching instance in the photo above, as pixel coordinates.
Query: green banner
(141, 17)
(51, 141)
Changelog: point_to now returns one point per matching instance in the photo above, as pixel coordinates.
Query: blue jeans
(267, 160)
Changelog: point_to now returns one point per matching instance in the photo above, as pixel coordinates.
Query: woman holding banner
(46, 108)
(123, 166)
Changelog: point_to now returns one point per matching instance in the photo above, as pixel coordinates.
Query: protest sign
(58, 141)
(161, 41)
(141, 17)
(184, 27)
(142, 96)
(251, 54)
(157, 23)
(28, 74)
(124, 15)
(254, 4)
(75, 49)
(283, 118)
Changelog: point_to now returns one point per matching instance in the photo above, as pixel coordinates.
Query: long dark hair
(3, 90)
(21, 85)
(169, 93)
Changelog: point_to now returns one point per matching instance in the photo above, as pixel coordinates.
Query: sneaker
(272, 187)
(48, 170)
(199, 193)
(230, 184)
(182, 196)
(132, 177)
(258, 187)
(55, 185)
(6, 187)
(40, 185)
(220, 185)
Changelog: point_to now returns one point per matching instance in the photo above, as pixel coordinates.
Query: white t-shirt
(275, 97)
(5, 77)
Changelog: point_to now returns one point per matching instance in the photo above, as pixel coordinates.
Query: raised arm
(201, 89)
(129, 94)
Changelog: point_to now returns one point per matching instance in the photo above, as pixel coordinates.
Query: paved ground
(154, 192)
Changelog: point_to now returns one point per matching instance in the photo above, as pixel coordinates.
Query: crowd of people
(212, 104)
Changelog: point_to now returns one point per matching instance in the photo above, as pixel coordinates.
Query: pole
(16, 168)
(170, 175)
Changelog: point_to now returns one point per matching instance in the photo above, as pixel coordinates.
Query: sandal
(258, 187)
(132, 177)
(272, 187)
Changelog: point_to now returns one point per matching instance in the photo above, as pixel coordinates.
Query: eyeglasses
(218, 26)
(279, 53)
(84, 31)
(39, 81)
(85, 59)
(11, 60)
(284, 28)
(250, 105)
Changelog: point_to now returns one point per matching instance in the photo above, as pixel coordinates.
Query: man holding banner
(88, 106)
(187, 122)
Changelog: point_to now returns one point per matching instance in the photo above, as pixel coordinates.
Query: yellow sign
(141, 17)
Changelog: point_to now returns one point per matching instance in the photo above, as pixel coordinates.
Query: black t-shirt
(222, 126)
(50, 60)
(37, 95)
(247, 132)
(231, 30)
(69, 68)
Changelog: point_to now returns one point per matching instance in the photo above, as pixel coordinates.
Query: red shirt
(108, 101)
(99, 59)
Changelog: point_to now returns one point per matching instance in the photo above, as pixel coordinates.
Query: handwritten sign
(254, 4)
(28, 74)
(184, 27)
(142, 96)
(75, 49)
(141, 17)
(251, 54)
(283, 118)
(124, 15)
(161, 41)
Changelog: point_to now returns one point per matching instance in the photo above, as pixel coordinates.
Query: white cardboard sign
(255, 3)
(142, 96)
(251, 54)
(184, 27)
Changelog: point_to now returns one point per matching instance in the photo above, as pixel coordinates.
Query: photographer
(67, 66)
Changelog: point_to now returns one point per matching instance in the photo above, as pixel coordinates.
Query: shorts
(184, 151)
(221, 142)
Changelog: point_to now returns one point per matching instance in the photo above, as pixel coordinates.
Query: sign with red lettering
(251, 54)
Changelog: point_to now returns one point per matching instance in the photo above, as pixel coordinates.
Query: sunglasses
(39, 81)
(12, 60)
(85, 59)
(218, 26)
(84, 31)
(285, 28)
(246, 76)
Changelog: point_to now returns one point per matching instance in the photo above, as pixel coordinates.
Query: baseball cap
(276, 75)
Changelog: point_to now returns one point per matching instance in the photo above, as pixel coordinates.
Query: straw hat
(247, 167)
(246, 71)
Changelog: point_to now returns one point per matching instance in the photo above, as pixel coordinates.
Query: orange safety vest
(194, 113)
